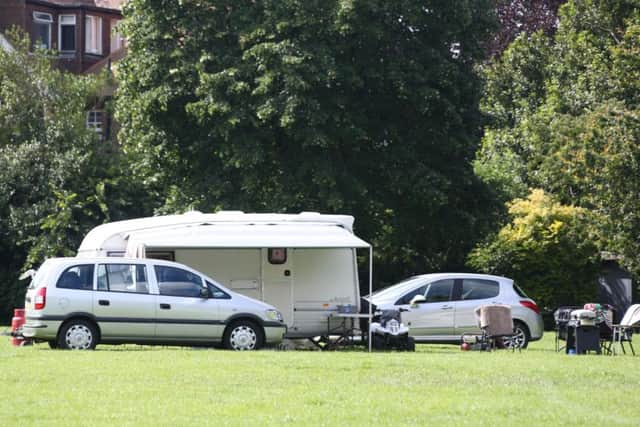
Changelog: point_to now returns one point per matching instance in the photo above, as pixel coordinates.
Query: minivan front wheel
(520, 337)
(78, 335)
(243, 335)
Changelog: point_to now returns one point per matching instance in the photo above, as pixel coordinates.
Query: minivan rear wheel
(78, 335)
(243, 335)
(520, 338)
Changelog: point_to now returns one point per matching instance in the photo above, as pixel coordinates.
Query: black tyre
(411, 344)
(378, 342)
(243, 335)
(78, 334)
(53, 344)
(521, 336)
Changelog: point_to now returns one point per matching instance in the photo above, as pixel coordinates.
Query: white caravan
(303, 264)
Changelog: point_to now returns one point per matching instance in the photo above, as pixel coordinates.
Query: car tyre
(243, 335)
(378, 342)
(53, 344)
(411, 344)
(521, 336)
(78, 334)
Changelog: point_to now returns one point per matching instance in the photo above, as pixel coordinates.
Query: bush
(546, 248)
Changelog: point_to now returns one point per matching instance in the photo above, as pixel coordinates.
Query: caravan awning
(243, 236)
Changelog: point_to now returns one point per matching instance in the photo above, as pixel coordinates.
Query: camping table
(346, 332)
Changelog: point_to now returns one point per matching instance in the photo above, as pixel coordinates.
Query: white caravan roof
(222, 230)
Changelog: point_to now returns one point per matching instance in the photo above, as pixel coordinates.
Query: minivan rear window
(77, 277)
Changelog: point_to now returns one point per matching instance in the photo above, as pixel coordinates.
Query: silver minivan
(76, 303)
(446, 304)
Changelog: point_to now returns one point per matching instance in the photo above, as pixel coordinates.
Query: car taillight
(40, 299)
(532, 305)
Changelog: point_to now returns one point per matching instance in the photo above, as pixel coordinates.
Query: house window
(67, 33)
(93, 34)
(94, 121)
(42, 29)
(117, 41)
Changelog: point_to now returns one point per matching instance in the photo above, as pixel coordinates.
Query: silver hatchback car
(447, 310)
(76, 303)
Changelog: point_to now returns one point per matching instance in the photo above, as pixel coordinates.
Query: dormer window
(42, 29)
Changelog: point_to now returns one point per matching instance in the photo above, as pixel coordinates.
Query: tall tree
(57, 179)
(565, 119)
(366, 107)
(516, 17)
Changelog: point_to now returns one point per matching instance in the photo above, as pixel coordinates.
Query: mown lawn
(437, 385)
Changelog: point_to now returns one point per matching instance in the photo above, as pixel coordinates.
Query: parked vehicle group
(245, 281)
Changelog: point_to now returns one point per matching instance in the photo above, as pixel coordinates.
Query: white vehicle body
(303, 264)
(447, 309)
(80, 302)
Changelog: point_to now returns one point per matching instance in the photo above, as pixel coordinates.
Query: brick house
(82, 32)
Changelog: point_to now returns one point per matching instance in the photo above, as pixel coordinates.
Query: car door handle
(103, 302)
(165, 306)
(446, 307)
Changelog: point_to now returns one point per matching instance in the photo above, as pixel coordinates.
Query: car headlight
(274, 315)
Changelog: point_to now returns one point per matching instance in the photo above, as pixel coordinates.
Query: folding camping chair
(624, 331)
(496, 323)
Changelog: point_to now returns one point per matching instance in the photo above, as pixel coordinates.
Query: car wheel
(378, 342)
(78, 335)
(411, 344)
(243, 335)
(520, 338)
(53, 344)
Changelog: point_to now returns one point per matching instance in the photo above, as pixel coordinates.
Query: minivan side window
(479, 289)
(178, 282)
(77, 277)
(123, 278)
(216, 292)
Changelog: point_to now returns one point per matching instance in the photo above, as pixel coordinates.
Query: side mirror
(418, 299)
(204, 293)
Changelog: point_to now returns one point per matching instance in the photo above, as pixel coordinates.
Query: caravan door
(277, 280)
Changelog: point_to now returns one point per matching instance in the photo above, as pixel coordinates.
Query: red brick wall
(12, 12)
(20, 12)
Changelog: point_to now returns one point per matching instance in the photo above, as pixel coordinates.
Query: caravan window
(277, 255)
(164, 255)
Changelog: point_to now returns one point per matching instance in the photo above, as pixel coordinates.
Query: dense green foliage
(363, 107)
(57, 179)
(564, 113)
(547, 247)
(366, 107)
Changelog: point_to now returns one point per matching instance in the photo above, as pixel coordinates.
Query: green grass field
(437, 385)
